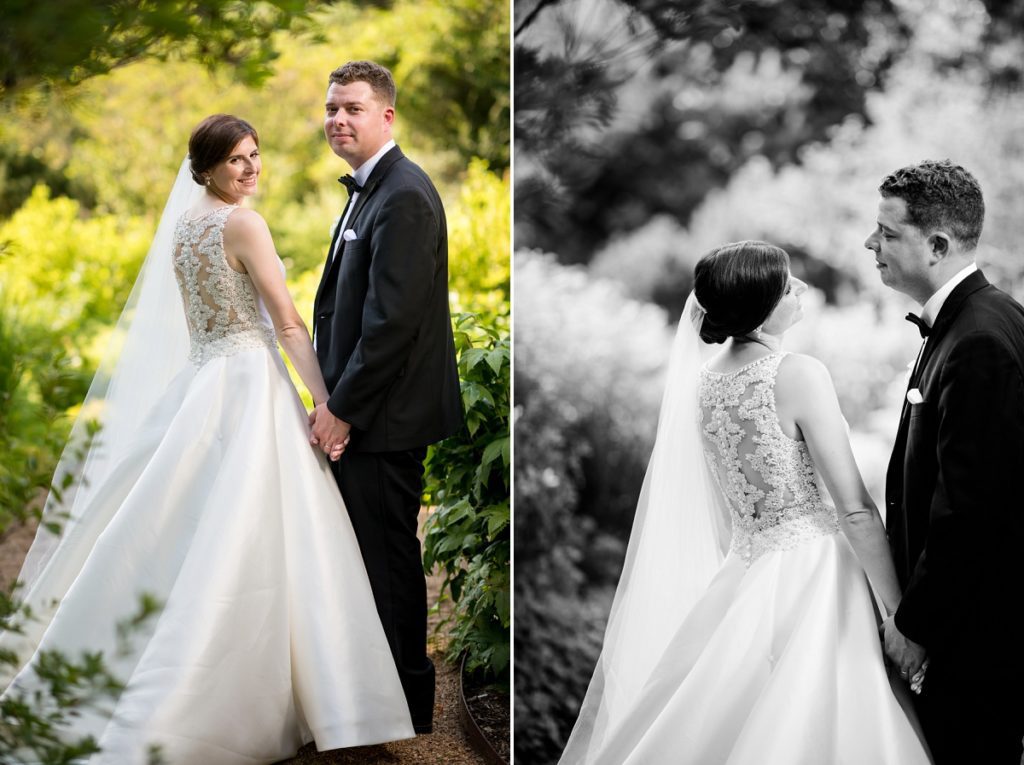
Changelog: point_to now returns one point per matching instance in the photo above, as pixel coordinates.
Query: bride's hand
(328, 432)
(907, 655)
(338, 450)
(917, 681)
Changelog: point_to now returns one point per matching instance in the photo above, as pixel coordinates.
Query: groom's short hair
(373, 74)
(939, 195)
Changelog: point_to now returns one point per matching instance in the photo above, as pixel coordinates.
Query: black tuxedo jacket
(381, 319)
(954, 491)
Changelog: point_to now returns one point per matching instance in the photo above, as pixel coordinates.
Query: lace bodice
(767, 478)
(223, 311)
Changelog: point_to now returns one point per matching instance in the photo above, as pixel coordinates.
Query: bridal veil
(148, 348)
(678, 541)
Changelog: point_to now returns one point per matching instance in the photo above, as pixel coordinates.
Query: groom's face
(356, 122)
(901, 250)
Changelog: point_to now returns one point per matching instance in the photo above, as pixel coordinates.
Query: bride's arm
(247, 240)
(806, 396)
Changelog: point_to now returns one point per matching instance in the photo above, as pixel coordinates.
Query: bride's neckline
(758, 360)
(200, 216)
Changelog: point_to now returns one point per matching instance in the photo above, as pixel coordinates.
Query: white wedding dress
(779, 661)
(268, 636)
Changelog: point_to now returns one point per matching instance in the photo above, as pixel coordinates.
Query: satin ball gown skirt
(778, 664)
(268, 637)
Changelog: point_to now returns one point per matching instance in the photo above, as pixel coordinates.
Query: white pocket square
(914, 396)
(348, 235)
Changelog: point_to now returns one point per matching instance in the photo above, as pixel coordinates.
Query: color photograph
(255, 370)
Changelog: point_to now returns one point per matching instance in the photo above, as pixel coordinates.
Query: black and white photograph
(768, 382)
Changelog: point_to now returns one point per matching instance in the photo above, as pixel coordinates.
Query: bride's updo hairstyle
(212, 141)
(739, 285)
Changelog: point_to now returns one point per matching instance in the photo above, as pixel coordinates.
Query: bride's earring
(207, 180)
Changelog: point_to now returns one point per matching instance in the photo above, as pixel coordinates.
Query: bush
(478, 249)
(589, 364)
(38, 382)
(467, 479)
(74, 270)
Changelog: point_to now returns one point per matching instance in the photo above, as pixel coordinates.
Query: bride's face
(789, 311)
(236, 176)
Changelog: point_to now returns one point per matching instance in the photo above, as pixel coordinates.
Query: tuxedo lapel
(329, 265)
(950, 310)
(372, 183)
(364, 196)
(947, 314)
(376, 177)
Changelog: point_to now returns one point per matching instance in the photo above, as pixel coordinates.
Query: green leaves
(95, 38)
(467, 479)
(34, 721)
(37, 377)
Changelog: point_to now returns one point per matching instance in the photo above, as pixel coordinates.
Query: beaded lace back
(222, 308)
(766, 477)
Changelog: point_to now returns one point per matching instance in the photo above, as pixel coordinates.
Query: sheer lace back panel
(767, 478)
(223, 311)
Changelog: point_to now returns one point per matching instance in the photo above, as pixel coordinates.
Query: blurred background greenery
(648, 131)
(97, 101)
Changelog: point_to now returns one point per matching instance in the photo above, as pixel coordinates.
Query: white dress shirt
(362, 175)
(934, 304)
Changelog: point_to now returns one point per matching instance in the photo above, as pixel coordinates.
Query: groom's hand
(328, 432)
(907, 655)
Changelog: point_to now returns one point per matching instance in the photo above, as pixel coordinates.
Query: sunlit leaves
(93, 38)
(467, 535)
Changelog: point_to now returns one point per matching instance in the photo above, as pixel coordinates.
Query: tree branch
(532, 16)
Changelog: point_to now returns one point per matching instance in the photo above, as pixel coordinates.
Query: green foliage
(65, 276)
(38, 382)
(115, 140)
(452, 61)
(36, 722)
(73, 269)
(467, 479)
(479, 220)
(94, 38)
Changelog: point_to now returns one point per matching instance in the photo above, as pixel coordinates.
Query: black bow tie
(922, 327)
(350, 184)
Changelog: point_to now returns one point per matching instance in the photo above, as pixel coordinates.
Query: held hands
(328, 432)
(908, 656)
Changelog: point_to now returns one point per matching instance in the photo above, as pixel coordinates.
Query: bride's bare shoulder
(800, 374)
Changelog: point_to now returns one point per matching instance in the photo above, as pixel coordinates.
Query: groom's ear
(939, 246)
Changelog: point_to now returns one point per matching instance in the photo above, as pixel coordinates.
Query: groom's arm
(403, 264)
(980, 437)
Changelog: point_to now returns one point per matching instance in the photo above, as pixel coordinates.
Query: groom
(955, 514)
(383, 336)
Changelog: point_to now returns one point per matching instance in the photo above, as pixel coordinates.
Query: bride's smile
(237, 176)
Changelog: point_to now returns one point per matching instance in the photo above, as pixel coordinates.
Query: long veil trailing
(148, 348)
(679, 538)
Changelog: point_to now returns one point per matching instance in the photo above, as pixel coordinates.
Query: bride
(743, 630)
(203, 491)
